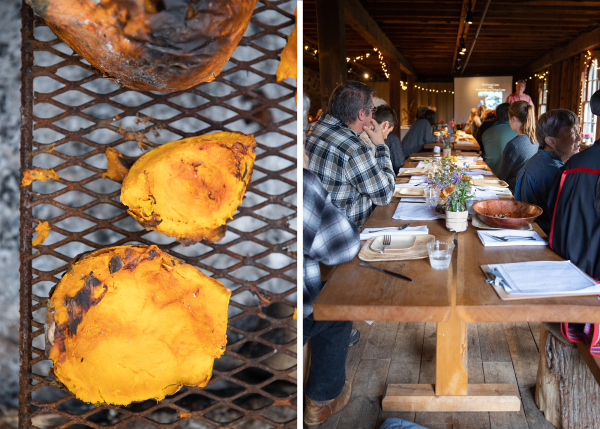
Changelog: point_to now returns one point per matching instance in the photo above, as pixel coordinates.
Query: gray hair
(348, 99)
(551, 122)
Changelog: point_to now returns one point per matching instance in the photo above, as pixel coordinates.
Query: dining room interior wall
(437, 94)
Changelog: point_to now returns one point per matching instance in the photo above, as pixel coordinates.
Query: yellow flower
(465, 178)
(448, 190)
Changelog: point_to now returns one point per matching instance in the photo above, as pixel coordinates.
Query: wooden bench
(568, 381)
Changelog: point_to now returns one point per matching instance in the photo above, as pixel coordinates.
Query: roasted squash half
(161, 45)
(132, 323)
(188, 188)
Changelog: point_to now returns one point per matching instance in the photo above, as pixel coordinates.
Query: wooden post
(394, 81)
(410, 91)
(554, 85)
(332, 47)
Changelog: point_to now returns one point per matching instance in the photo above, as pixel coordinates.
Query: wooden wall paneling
(565, 84)
(332, 46)
(395, 90)
(554, 86)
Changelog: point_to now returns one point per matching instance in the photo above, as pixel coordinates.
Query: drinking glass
(440, 254)
(470, 202)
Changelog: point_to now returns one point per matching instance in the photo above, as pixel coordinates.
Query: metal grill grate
(70, 115)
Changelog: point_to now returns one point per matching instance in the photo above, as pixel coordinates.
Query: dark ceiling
(514, 33)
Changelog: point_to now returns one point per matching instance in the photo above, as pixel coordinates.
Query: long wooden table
(452, 298)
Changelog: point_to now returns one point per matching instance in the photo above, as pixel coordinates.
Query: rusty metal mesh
(70, 115)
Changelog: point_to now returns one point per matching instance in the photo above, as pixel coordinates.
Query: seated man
(420, 134)
(387, 120)
(557, 133)
(355, 179)
(386, 115)
(574, 205)
(331, 239)
(495, 138)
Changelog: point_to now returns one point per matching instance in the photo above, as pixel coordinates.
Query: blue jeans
(329, 349)
(394, 423)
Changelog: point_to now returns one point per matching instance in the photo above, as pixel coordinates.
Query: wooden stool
(567, 387)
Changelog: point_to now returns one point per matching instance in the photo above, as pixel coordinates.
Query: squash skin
(189, 188)
(187, 43)
(131, 323)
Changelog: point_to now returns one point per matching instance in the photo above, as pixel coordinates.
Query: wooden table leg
(452, 392)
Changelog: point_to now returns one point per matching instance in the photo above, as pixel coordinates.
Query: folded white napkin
(492, 190)
(413, 199)
(411, 230)
(478, 174)
(416, 211)
(481, 172)
(417, 179)
(413, 185)
(469, 158)
(422, 164)
(486, 195)
(488, 241)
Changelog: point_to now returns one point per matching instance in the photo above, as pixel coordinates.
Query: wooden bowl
(518, 213)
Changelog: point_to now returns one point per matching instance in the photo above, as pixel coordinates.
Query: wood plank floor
(405, 353)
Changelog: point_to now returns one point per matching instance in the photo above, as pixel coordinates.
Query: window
(543, 96)
(591, 86)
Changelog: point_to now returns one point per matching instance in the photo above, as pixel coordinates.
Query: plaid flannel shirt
(328, 237)
(354, 178)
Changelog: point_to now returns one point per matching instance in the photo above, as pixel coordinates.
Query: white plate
(400, 243)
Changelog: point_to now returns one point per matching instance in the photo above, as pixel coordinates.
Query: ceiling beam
(461, 24)
(585, 42)
(359, 19)
(464, 66)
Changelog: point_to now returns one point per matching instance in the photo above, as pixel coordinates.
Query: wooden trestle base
(479, 397)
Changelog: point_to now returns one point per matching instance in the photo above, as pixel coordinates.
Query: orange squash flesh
(150, 44)
(132, 323)
(189, 188)
(117, 166)
(288, 65)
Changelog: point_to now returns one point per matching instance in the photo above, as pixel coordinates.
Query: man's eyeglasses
(373, 109)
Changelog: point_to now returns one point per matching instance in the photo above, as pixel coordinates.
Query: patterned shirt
(354, 178)
(328, 237)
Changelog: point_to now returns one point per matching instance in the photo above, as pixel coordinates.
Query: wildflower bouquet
(451, 185)
(446, 139)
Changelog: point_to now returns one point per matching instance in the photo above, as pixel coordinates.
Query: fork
(387, 240)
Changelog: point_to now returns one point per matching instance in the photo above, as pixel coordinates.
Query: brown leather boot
(315, 413)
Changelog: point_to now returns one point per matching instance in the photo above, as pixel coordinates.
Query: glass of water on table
(440, 254)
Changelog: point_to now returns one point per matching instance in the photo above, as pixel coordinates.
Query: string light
(588, 57)
(367, 55)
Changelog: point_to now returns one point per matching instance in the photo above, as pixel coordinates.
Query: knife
(391, 273)
(392, 228)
